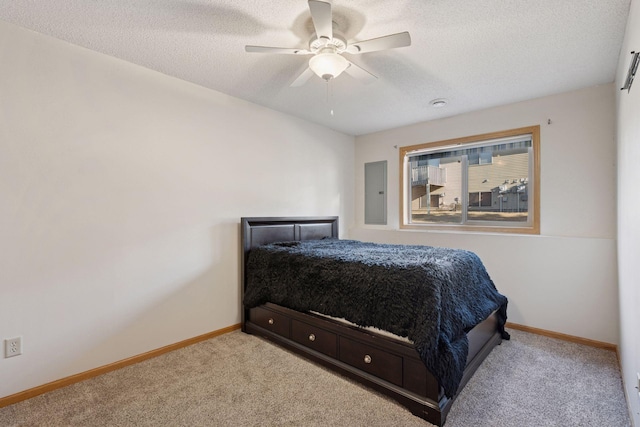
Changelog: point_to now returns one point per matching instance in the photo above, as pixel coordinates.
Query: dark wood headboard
(262, 230)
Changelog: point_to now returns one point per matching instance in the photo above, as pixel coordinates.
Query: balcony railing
(434, 174)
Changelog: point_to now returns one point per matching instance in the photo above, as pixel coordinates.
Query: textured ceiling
(474, 53)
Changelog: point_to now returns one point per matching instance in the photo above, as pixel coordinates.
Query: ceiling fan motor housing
(338, 43)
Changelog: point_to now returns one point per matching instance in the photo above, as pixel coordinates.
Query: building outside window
(482, 183)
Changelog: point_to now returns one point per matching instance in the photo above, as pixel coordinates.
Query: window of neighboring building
(485, 182)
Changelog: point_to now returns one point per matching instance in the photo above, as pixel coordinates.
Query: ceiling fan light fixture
(328, 65)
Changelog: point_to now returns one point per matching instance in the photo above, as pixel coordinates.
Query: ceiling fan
(327, 46)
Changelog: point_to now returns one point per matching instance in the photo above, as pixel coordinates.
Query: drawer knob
(367, 359)
(312, 337)
(271, 321)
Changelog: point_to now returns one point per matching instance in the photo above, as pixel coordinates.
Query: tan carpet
(241, 380)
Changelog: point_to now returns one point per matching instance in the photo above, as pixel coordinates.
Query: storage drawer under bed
(372, 360)
(315, 338)
(270, 320)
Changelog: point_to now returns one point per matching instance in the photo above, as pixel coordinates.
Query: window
(485, 182)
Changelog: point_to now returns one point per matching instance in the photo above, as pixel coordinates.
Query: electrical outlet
(13, 347)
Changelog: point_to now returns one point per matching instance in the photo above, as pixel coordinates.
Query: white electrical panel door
(375, 192)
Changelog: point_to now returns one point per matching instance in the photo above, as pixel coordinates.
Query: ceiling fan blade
(302, 78)
(321, 16)
(360, 73)
(284, 50)
(381, 43)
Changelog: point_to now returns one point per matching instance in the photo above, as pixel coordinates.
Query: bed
(406, 358)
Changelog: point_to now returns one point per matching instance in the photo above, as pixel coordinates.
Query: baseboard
(32, 392)
(563, 337)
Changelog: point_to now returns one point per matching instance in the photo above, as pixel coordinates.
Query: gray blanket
(431, 295)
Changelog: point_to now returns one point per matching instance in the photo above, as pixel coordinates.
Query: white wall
(628, 104)
(565, 278)
(121, 192)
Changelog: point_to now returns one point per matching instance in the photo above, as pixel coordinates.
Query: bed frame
(386, 364)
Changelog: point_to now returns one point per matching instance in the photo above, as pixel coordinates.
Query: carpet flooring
(241, 380)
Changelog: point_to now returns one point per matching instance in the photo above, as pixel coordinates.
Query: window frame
(532, 226)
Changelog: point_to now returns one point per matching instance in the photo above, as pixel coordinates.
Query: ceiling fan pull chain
(329, 97)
